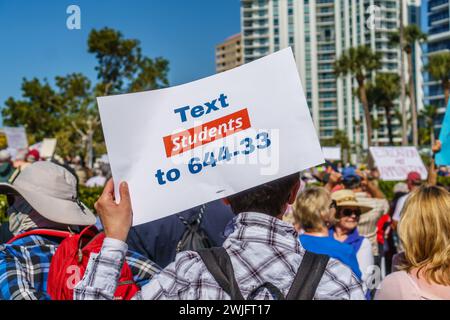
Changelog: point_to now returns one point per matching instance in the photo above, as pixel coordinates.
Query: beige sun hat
(347, 198)
(52, 191)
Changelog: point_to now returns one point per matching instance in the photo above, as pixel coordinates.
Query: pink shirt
(401, 285)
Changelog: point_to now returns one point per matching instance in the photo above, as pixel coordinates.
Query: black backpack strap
(308, 276)
(218, 263)
(274, 291)
(195, 219)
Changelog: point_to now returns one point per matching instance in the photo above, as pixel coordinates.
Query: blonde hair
(424, 230)
(312, 208)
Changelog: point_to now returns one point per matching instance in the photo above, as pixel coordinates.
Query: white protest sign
(48, 148)
(187, 145)
(16, 137)
(331, 153)
(37, 146)
(394, 163)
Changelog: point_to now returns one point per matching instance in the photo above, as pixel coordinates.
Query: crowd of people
(11, 163)
(266, 241)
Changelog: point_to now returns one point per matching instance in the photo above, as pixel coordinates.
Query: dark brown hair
(268, 198)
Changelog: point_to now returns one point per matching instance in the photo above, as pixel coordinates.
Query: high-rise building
(437, 25)
(229, 53)
(319, 31)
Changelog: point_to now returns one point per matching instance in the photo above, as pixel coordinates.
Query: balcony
(256, 26)
(440, 21)
(254, 36)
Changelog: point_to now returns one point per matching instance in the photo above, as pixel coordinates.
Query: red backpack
(70, 260)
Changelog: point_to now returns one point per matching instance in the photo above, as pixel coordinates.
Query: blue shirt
(353, 239)
(333, 248)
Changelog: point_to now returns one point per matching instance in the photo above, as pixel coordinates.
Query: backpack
(304, 286)
(194, 237)
(70, 260)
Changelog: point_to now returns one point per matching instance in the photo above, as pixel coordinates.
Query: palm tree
(439, 69)
(340, 138)
(383, 92)
(360, 62)
(411, 35)
(403, 112)
(428, 115)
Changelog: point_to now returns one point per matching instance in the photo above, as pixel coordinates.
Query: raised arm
(103, 271)
(432, 171)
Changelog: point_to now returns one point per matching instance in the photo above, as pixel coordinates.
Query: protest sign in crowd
(221, 191)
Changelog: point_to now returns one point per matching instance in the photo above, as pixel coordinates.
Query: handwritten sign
(48, 148)
(394, 163)
(16, 137)
(184, 146)
(331, 153)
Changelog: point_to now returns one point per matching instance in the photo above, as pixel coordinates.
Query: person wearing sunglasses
(348, 213)
(313, 214)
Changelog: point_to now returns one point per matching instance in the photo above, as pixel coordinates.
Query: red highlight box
(220, 128)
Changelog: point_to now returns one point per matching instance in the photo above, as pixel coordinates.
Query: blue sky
(35, 41)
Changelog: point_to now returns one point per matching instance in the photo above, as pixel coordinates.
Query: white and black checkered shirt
(261, 248)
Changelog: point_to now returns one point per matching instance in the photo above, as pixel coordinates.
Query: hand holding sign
(116, 218)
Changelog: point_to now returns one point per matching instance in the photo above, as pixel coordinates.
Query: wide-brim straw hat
(51, 190)
(347, 198)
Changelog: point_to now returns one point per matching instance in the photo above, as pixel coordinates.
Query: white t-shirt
(399, 207)
(365, 260)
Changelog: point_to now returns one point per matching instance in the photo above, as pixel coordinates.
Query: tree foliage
(411, 35)
(360, 62)
(66, 109)
(439, 69)
(382, 93)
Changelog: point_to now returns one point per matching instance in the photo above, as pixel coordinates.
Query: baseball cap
(413, 177)
(349, 173)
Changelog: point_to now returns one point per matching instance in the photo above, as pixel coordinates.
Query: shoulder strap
(195, 218)
(274, 291)
(41, 232)
(308, 276)
(218, 263)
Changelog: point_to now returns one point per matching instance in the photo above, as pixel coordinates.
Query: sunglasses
(349, 212)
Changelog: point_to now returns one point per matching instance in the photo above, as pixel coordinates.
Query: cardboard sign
(394, 163)
(17, 137)
(37, 146)
(443, 157)
(184, 146)
(331, 153)
(48, 148)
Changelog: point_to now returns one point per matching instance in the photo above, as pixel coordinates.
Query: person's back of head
(271, 198)
(413, 180)
(312, 209)
(5, 156)
(350, 179)
(424, 231)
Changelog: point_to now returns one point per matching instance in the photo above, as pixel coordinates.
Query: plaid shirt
(261, 248)
(24, 267)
